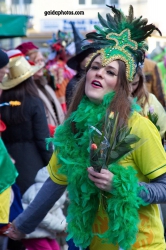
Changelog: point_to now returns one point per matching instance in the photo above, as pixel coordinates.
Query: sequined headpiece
(121, 37)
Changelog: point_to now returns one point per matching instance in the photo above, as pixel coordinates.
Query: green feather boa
(85, 197)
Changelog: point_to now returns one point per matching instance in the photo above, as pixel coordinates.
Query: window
(27, 1)
(98, 2)
(114, 1)
(81, 1)
(15, 2)
(24, 2)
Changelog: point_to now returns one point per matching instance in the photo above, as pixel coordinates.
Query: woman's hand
(102, 180)
(14, 233)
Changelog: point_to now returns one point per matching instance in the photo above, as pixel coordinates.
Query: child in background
(10, 205)
(54, 222)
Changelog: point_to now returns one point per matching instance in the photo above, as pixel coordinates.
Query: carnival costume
(110, 220)
(61, 72)
(8, 178)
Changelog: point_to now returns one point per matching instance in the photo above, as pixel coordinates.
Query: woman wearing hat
(60, 71)
(26, 124)
(53, 109)
(77, 62)
(113, 201)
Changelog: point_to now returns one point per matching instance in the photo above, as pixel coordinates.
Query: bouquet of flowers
(110, 145)
(153, 117)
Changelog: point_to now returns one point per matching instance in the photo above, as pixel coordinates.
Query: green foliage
(153, 117)
(112, 144)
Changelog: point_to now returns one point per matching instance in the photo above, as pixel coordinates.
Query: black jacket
(25, 142)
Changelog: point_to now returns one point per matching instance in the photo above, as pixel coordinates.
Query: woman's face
(38, 59)
(101, 80)
(134, 84)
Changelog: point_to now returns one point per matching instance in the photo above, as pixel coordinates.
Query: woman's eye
(135, 83)
(110, 73)
(94, 67)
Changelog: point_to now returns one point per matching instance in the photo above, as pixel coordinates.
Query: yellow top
(5, 206)
(149, 160)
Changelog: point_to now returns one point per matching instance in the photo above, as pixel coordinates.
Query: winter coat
(53, 109)
(54, 221)
(26, 144)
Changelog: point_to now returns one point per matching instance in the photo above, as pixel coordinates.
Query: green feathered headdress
(121, 37)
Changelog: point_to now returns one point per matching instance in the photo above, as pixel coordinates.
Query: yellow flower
(15, 103)
(111, 115)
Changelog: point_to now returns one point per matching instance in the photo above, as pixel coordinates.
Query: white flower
(151, 109)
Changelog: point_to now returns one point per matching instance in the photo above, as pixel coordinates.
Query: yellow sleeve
(150, 157)
(53, 168)
(5, 206)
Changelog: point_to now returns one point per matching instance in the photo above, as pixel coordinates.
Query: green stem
(112, 138)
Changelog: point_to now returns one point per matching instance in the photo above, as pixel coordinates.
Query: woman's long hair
(141, 92)
(121, 103)
(14, 115)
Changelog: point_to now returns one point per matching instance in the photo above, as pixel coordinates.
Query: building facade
(47, 17)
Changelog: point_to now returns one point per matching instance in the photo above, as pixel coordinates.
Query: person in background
(60, 71)
(148, 101)
(162, 68)
(114, 206)
(77, 62)
(9, 192)
(26, 124)
(4, 60)
(153, 80)
(53, 223)
(8, 177)
(53, 109)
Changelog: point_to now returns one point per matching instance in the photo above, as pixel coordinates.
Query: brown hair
(141, 92)
(121, 103)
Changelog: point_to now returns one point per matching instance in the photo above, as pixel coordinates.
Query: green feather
(131, 14)
(102, 21)
(111, 23)
(100, 30)
(138, 27)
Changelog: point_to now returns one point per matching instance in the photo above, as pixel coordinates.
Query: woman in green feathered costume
(115, 208)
